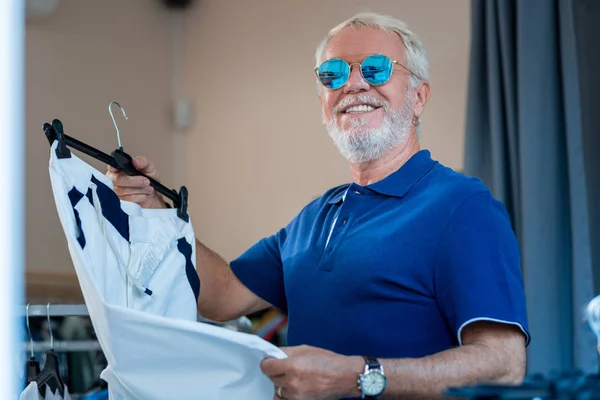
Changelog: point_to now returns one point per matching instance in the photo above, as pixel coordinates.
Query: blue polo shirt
(410, 261)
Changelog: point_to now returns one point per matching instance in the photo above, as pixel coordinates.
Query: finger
(145, 166)
(131, 181)
(279, 394)
(136, 198)
(125, 191)
(112, 175)
(272, 367)
(279, 380)
(111, 169)
(141, 162)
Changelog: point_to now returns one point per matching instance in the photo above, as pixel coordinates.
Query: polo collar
(399, 182)
(340, 195)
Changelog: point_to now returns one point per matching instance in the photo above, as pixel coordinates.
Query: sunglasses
(376, 70)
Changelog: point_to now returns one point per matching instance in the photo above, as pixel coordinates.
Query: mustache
(361, 98)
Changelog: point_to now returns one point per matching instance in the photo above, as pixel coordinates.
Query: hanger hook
(114, 122)
(50, 327)
(29, 330)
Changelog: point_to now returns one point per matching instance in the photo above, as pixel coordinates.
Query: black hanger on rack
(117, 159)
(32, 366)
(50, 374)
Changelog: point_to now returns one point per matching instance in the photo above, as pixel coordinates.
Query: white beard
(360, 144)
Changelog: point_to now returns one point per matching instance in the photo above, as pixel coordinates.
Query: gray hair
(415, 55)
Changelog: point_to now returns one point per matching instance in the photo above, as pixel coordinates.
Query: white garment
(31, 393)
(141, 299)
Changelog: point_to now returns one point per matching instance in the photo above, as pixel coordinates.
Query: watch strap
(371, 362)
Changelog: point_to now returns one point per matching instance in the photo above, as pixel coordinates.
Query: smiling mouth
(360, 109)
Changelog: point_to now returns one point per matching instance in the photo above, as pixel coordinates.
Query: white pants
(136, 269)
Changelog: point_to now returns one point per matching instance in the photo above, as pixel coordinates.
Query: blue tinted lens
(377, 69)
(334, 73)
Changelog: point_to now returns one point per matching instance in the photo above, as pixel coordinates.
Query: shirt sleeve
(478, 273)
(260, 269)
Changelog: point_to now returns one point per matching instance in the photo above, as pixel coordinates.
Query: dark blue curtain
(524, 139)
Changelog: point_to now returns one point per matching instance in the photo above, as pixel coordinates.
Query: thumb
(140, 162)
(145, 166)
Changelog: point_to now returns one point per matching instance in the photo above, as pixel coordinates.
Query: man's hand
(311, 373)
(137, 189)
(491, 352)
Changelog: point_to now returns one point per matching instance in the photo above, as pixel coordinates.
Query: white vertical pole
(12, 195)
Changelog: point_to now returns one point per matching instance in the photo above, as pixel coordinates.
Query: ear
(422, 94)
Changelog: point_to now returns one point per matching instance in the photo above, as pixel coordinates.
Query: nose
(356, 82)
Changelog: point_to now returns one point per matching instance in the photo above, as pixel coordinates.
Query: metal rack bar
(64, 346)
(56, 310)
(242, 324)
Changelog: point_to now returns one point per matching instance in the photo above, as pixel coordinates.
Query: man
(399, 285)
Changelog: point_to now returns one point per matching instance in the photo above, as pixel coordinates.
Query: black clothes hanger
(50, 374)
(32, 366)
(118, 159)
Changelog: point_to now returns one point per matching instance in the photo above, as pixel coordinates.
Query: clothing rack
(64, 346)
(242, 324)
(55, 310)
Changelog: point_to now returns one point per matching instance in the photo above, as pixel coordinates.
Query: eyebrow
(360, 56)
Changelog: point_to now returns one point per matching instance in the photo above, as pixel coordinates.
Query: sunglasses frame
(361, 72)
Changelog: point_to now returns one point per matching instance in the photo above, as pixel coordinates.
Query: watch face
(372, 383)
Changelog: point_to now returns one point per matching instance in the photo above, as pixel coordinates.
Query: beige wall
(85, 55)
(257, 151)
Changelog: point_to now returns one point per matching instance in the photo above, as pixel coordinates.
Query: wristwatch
(372, 381)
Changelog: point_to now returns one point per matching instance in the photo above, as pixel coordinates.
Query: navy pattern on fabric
(186, 249)
(111, 208)
(75, 195)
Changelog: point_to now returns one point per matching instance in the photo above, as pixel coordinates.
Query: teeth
(359, 109)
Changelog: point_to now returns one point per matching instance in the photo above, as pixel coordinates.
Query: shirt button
(356, 191)
(344, 221)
